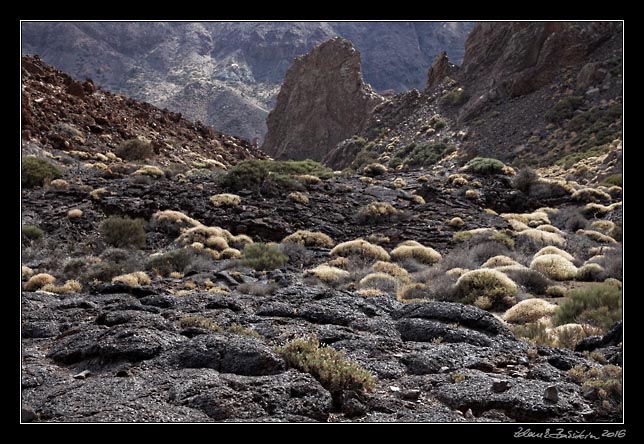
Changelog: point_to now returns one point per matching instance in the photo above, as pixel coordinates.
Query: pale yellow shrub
(225, 200)
(74, 214)
(391, 269)
(149, 170)
(490, 283)
(59, 184)
(456, 222)
(133, 279)
(529, 310)
(38, 281)
(299, 197)
(328, 274)
(310, 239)
(554, 250)
(555, 267)
(499, 261)
(422, 254)
(360, 247)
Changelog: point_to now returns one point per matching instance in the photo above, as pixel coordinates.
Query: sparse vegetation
(32, 232)
(564, 109)
(123, 232)
(603, 385)
(135, 149)
(254, 174)
(428, 154)
(599, 305)
(199, 322)
(260, 256)
(328, 365)
(36, 171)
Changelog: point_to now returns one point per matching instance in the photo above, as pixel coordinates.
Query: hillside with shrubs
(171, 273)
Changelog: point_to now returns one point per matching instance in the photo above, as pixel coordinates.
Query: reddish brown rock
(323, 101)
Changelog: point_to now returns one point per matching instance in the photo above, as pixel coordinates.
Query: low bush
(32, 232)
(261, 256)
(134, 279)
(225, 200)
(38, 281)
(602, 385)
(529, 310)
(329, 366)
(252, 174)
(374, 169)
(382, 281)
(413, 291)
(180, 260)
(496, 286)
(614, 180)
(123, 232)
(419, 253)
(200, 323)
(531, 281)
(360, 248)
(555, 267)
(377, 212)
(36, 171)
(428, 154)
(391, 269)
(484, 165)
(591, 195)
(525, 179)
(554, 250)
(71, 286)
(590, 273)
(298, 197)
(135, 149)
(310, 239)
(149, 171)
(329, 275)
(599, 305)
(74, 213)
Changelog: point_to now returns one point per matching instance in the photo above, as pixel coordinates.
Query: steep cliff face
(227, 74)
(323, 100)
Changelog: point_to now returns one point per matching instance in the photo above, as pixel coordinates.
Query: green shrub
(484, 165)
(123, 232)
(564, 109)
(615, 179)
(36, 171)
(32, 232)
(260, 256)
(248, 174)
(329, 366)
(251, 174)
(455, 97)
(134, 149)
(174, 260)
(599, 305)
(440, 124)
(428, 154)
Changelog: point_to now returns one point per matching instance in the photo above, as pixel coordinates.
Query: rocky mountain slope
(227, 74)
(324, 93)
(182, 277)
(540, 94)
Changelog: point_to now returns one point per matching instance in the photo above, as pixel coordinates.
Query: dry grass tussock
(26, 272)
(391, 269)
(310, 239)
(499, 261)
(225, 200)
(420, 253)
(38, 281)
(134, 279)
(71, 286)
(555, 267)
(381, 281)
(175, 217)
(532, 220)
(329, 274)
(597, 236)
(488, 283)
(541, 237)
(456, 222)
(529, 310)
(298, 197)
(554, 250)
(362, 248)
(74, 213)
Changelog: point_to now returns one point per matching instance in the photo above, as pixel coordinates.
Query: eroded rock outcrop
(323, 100)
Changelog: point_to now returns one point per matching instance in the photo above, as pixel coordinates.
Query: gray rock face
(323, 100)
(227, 74)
